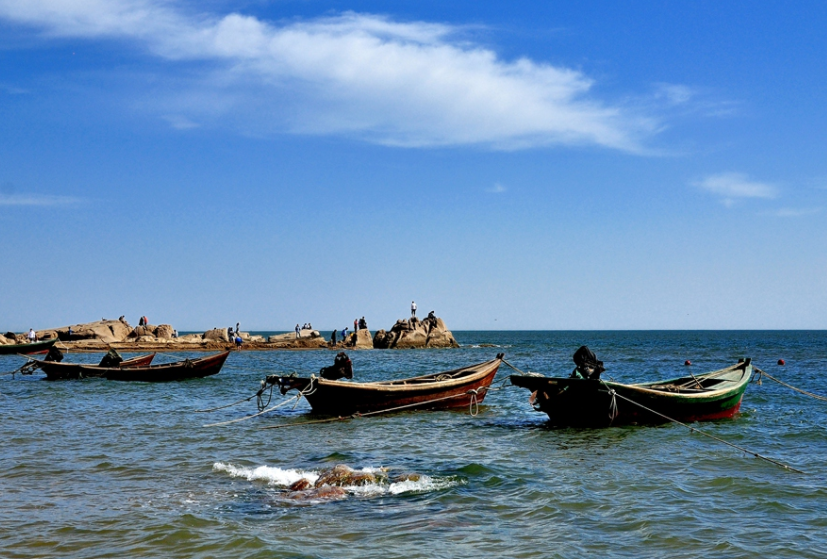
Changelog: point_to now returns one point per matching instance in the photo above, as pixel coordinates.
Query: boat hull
(27, 349)
(170, 372)
(346, 398)
(70, 371)
(594, 403)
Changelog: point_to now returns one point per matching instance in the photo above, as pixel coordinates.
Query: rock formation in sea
(415, 333)
(362, 340)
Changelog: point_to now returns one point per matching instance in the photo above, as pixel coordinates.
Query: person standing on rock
(298, 331)
(237, 331)
(355, 324)
(413, 309)
(32, 336)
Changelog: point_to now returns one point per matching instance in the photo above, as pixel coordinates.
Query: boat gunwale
(485, 369)
(162, 366)
(644, 388)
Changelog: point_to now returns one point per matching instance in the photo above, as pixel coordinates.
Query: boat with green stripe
(600, 403)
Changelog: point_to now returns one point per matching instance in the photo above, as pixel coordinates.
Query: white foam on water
(423, 485)
(285, 477)
(271, 474)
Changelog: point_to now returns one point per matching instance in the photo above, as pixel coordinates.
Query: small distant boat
(62, 371)
(26, 349)
(448, 389)
(180, 370)
(600, 403)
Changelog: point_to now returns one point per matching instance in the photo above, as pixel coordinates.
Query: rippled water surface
(95, 468)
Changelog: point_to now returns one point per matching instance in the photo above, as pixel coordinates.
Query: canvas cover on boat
(587, 363)
(111, 359)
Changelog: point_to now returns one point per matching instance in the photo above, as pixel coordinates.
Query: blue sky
(523, 165)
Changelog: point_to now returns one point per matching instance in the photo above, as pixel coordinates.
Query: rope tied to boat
(26, 368)
(613, 411)
(297, 397)
(473, 393)
(791, 387)
(705, 434)
(528, 374)
(474, 404)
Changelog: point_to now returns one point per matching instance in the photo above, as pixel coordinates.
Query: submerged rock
(341, 475)
(406, 477)
(300, 485)
(328, 492)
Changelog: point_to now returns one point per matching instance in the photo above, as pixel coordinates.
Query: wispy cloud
(674, 94)
(12, 89)
(795, 212)
(37, 200)
(396, 83)
(732, 186)
(496, 189)
(180, 122)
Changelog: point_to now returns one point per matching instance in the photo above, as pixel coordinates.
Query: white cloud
(36, 200)
(180, 122)
(732, 186)
(795, 212)
(395, 83)
(496, 189)
(674, 94)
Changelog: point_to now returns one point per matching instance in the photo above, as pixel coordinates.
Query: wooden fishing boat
(28, 348)
(600, 403)
(180, 370)
(62, 371)
(448, 389)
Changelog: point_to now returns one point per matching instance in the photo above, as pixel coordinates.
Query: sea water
(96, 468)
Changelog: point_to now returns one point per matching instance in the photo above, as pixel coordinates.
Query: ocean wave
(284, 478)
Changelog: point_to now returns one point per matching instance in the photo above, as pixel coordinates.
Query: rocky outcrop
(415, 333)
(191, 339)
(5, 341)
(142, 331)
(363, 340)
(163, 332)
(106, 331)
(217, 334)
(309, 334)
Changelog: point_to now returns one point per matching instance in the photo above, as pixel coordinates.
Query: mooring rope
(229, 405)
(27, 368)
(309, 390)
(377, 412)
(528, 374)
(296, 397)
(696, 430)
(791, 387)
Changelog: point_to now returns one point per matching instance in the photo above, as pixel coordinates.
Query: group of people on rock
(348, 337)
(234, 335)
(305, 326)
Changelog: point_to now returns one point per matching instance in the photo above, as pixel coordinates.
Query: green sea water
(96, 468)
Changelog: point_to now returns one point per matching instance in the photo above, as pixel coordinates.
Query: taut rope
(529, 374)
(693, 429)
(472, 393)
(791, 387)
(309, 390)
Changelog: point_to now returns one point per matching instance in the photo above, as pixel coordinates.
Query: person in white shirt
(32, 335)
(413, 309)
